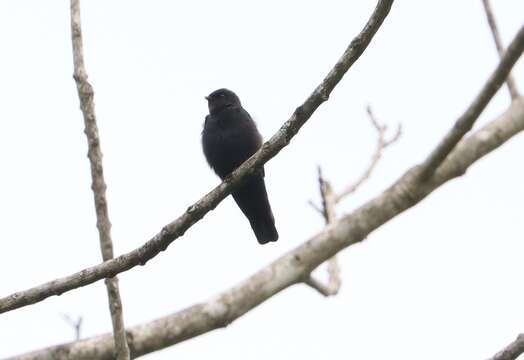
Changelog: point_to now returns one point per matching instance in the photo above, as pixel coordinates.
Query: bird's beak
(206, 97)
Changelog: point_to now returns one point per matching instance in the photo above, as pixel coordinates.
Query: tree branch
(512, 87)
(86, 96)
(319, 286)
(197, 211)
(466, 121)
(512, 351)
(328, 211)
(294, 266)
(330, 199)
(382, 143)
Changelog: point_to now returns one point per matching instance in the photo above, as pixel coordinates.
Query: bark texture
(98, 185)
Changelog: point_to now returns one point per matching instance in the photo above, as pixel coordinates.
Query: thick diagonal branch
(466, 121)
(86, 95)
(292, 267)
(197, 211)
(512, 351)
(512, 87)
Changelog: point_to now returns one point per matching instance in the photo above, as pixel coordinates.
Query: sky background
(442, 280)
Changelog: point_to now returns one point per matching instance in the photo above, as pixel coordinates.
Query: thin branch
(86, 96)
(328, 202)
(315, 207)
(328, 211)
(512, 351)
(294, 266)
(323, 289)
(334, 280)
(330, 199)
(466, 121)
(512, 87)
(194, 213)
(382, 143)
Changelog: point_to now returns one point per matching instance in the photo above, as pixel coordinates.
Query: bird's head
(220, 99)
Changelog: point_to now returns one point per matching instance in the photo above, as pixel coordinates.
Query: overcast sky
(442, 280)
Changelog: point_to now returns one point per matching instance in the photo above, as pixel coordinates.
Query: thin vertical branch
(86, 95)
(330, 199)
(328, 212)
(328, 205)
(512, 87)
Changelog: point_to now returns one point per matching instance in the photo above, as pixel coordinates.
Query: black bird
(229, 138)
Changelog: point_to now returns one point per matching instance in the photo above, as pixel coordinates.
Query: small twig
(334, 280)
(328, 211)
(512, 87)
(318, 286)
(328, 198)
(75, 324)
(315, 207)
(512, 351)
(328, 204)
(466, 121)
(86, 95)
(382, 143)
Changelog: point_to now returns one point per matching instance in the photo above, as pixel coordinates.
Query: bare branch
(382, 143)
(466, 121)
(86, 96)
(294, 266)
(395, 137)
(328, 211)
(512, 87)
(512, 351)
(313, 283)
(315, 207)
(329, 200)
(334, 280)
(195, 212)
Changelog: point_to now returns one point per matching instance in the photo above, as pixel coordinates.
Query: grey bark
(512, 87)
(467, 120)
(512, 351)
(86, 96)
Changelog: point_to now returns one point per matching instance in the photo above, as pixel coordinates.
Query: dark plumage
(229, 138)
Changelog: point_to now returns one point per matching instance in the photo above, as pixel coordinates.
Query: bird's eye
(222, 95)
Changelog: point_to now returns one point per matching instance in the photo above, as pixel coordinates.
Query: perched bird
(229, 138)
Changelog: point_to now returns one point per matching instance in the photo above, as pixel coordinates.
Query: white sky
(443, 280)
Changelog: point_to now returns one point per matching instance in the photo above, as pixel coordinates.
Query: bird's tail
(264, 229)
(251, 198)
